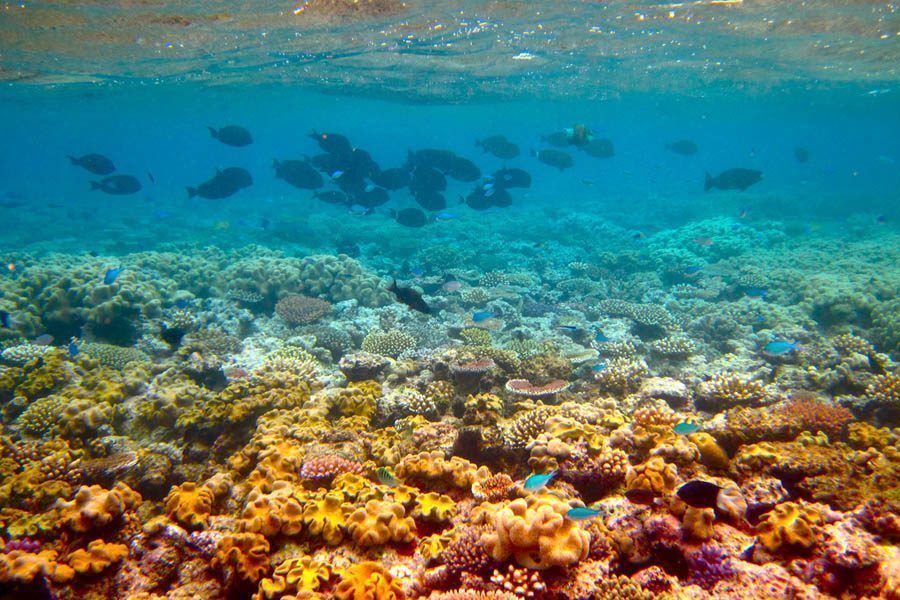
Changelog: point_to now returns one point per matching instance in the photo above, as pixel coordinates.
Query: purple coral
(709, 566)
(25, 545)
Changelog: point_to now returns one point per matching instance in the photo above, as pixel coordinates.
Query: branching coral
(724, 390)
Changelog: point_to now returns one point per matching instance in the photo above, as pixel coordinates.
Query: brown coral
(724, 390)
(190, 504)
(94, 507)
(243, 555)
(300, 310)
(367, 580)
(98, 556)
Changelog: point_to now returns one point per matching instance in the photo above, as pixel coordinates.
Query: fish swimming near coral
(232, 135)
(582, 513)
(410, 217)
(706, 494)
(117, 185)
(512, 178)
(110, 276)
(538, 481)
(410, 297)
(481, 315)
(780, 347)
(95, 163)
(732, 179)
(73, 349)
(685, 428)
(45, 339)
(385, 477)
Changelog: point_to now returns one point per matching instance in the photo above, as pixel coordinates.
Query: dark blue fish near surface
(111, 275)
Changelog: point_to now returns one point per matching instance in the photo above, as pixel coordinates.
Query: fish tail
(191, 192)
(73, 159)
(95, 186)
(212, 131)
(708, 185)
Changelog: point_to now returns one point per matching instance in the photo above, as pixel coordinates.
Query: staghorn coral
(535, 532)
(725, 390)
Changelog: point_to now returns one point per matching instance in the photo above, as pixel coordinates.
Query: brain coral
(536, 533)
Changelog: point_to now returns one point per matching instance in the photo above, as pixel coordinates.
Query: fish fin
(212, 131)
(191, 192)
(95, 186)
(73, 159)
(708, 184)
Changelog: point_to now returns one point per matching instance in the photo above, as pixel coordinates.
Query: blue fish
(780, 347)
(582, 513)
(692, 270)
(359, 210)
(538, 481)
(111, 275)
(182, 303)
(163, 214)
(598, 367)
(600, 337)
(336, 174)
(685, 428)
(444, 216)
(481, 315)
(5, 319)
(568, 327)
(73, 349)
(755, 292)
(487, 186)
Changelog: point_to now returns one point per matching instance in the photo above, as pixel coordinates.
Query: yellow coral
(243, 555)
(327, 516)
(435, 469)
(304, 574)
(536, 533)
(698, 522)
(654, 476)
(95, 507)
(435, 507)
(788, 524)
(22, 567)
(273, 512)
(367, 581)
(98, 556)
(190, 504)
(379, 523)
(711, 453)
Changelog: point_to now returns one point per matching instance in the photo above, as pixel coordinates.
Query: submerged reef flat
(673, 420)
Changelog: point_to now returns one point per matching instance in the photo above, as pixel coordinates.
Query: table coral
(535, 532)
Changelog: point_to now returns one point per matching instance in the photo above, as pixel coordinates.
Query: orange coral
(789, 524)
(327, 516)
(379, 523)
(243, 555)
(367, 581)
(273, 512)
(22, 567)
(95, 507)
(98, 556)
(190, 504)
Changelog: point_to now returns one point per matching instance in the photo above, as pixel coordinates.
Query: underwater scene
(376, 300)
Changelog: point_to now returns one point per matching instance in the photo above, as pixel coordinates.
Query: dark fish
(373, 196)
(554, 158)
(73, 349)
(801, 154)
(431, 200)
(232, 135)
(699, 493)
(329, 163)
(225, 183)
(391, 179)
(599, 148)
(362, 164)
(732, 179)
(479, 200)
(682, 147)
(117, 185)
(5, 319)
(512, 178)
(333, 143)
(298, 173)
(501, 198)
(409, 297)
(95, 163)
(463, 169)
(182, 303)
(499, 146)
(111, 275)
(640, 495)
(441, 160)
(332, 197)
(151, 177)
(560, 139)
(427, 179)
(410, 217)
(352, 185)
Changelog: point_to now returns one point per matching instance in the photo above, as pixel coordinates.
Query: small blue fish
(780, 347)
(359, 210)
(444, 216)
(601, 337)
(582, 513)
(598, 367)
(487, 186)
(537, 481)
(73, 349)
(385, 477)
(571, 328)
(111, 275)
(182, 303)
(5, 319)
(481, 315)
(417, 271)
(336, 174)
(692, 271)
(756, 292)
(489, 193)
(685, 428)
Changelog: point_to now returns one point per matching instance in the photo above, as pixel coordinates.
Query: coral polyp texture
(240, 424)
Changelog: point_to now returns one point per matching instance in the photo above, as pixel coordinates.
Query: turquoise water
(703, 382)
